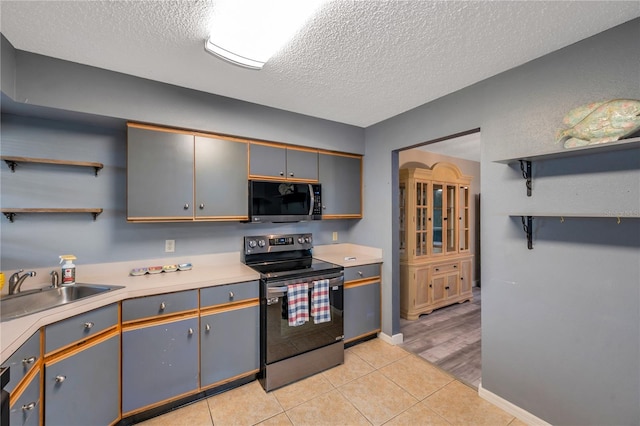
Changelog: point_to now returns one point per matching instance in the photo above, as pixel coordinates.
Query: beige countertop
(207, 271)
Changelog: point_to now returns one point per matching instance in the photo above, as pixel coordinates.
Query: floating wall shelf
(12, 162)
(11, 213)
(525, 161)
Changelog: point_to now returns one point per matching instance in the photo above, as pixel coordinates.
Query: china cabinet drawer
(443, 268)
(229, 293)
(362, 272)
(159, 305)
(23, 360)
(79, 327)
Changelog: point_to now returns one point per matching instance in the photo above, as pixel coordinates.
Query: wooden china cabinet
(435, 261)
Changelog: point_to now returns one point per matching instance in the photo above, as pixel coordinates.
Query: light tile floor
(378, 384)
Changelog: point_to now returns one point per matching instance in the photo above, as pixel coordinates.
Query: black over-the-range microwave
(279, 201)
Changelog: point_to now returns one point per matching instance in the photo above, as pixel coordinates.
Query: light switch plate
(169, 246)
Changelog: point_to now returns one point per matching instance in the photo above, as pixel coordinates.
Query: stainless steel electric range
(294, 348)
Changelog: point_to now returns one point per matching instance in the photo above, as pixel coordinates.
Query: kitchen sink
(29, 302)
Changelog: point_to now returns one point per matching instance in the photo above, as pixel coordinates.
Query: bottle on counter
(68, 273)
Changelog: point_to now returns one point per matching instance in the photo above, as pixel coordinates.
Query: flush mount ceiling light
(249, 32)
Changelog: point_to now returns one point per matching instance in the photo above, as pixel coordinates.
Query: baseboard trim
(510, 408)
(396, 339)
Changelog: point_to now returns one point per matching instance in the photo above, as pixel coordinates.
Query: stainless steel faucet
(15, 280)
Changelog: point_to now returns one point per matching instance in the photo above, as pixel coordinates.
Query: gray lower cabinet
(159, 362)
(341, 179)
(25, 411)
(159, 174)
(82, 387)
(361, 310)
(271, 161)
(22, 361)
(229, 344)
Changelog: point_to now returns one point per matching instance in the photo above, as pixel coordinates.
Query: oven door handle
(281, 291)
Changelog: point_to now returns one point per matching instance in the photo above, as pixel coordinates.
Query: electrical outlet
(169, 246)
(335, 236)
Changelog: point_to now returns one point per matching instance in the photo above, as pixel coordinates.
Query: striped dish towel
(320, 307)
(298, 303)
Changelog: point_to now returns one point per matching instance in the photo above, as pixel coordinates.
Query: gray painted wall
(561, 322)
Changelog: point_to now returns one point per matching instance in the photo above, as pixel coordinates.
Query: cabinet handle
(60, 379)
(291, 174)
(207, 328)
(29, 406)
(231, 295)
(324, 207)
(88, 325)
(455, 266)
(190, 331)
(437, 269)
(162, 306)
(360, 273)
(430, 285)
(29, 360)
(201, 206)
(446, 288)
(461, 278)
(186, 206)
(281, 173)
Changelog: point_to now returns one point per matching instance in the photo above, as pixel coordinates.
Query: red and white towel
(298, 303)
(320, 305)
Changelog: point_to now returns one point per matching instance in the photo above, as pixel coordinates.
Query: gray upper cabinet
(279, 162)
(341, 179)
(159, 175)
(164, 166)
(221, 178)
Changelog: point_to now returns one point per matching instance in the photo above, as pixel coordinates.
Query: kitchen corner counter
(208, 270)
(348, 254)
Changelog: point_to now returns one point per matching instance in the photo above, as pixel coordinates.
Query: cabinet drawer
(229, 293)
(26, 409)
(445, 267)
(79, 327)
(362, 272)
(158, 305)
(23, 360)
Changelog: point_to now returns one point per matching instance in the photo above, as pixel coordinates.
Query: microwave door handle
(313, 200)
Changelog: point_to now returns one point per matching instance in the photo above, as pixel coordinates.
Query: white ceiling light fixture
(249, 32)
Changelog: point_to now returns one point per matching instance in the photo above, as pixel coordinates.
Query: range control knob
(252, 243)
(300, 240)
(307, 239)
(261, 243)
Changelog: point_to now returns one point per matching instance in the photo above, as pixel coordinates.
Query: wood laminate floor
(449, 338)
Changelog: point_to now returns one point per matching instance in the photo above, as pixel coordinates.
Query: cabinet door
(361, 310)
(465, 276)
(229, 344)
(341, 180)
(221, 178)
(25, 410)
(22, 361)
(267, 161)
(159, 362)
(437, 288)
(302, 164)
(83, 388)
(452, 283)
(423, 293)
(159, 174)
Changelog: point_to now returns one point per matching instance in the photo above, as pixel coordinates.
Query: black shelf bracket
(12, 165)
(525, 166)
(10, 216)
(527, 225)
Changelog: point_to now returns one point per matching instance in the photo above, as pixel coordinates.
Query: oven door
(282, 341)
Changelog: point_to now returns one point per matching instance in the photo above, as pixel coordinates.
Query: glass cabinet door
(403, 212)
(421, 218)
(451, 219)
(464, 231)
(438, 198)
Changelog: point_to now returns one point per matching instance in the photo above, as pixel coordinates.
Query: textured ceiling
(356, 62)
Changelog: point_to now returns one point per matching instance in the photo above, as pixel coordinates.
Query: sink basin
(29, 302)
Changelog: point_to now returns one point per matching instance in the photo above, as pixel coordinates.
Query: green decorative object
(600, 122)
